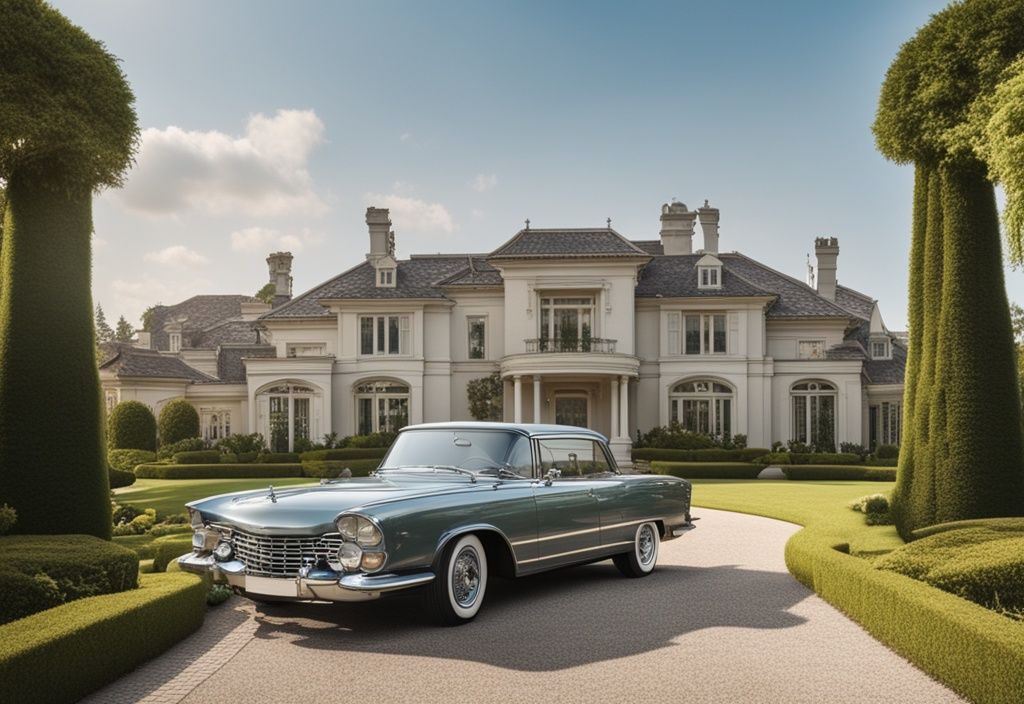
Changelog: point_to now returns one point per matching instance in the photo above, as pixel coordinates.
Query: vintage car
(450, 505)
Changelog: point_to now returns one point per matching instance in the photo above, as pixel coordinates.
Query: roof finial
(609, 223)
(527, 223)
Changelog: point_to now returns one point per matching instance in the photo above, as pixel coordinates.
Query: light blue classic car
(450, 505)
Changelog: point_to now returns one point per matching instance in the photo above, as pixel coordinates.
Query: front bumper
(316, 585)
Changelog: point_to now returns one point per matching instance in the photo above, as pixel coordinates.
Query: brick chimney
(677, 228)
(826, 249)
(280, 264)
(709, 225)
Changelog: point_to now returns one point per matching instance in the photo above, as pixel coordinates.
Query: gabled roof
(232, 332)
(134, 362)
(230, 367)
(856, 302)
(650, 246)
(582, 243)
(477, 273)
(200, 313)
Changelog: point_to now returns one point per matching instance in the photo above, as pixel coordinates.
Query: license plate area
(269, 586)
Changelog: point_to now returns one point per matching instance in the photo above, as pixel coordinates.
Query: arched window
(702, 406)
(289, 414)
(381, 406)
(814, 414)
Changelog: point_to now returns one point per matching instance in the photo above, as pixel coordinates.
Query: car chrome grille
(282, 556)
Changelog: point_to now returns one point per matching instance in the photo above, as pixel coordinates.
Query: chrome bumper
(317, 585)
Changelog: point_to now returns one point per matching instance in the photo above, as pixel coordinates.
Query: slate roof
(201, 313)
(584, 243)
(855, 302)
(477, 273)
(133, 362)
(230, 368)
(653, 247)
(232, 332)
(676, 276)
(795, 299)
(887, 371)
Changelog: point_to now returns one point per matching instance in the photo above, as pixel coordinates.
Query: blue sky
(274, 125)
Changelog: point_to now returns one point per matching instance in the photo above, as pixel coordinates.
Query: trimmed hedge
(166, 452)
(707, 470)
(169, 548)
(331, 469)
(131, 426)
(833, 472)
(179, 420)
(881, 461)
(782, 458)
(197, 457)
(713, 454)
(61, 568)
(278, 458)
(385, 439)
(217, 471)
(126, 460)
(1006, 524)
(143, 623)
(120, 479)
(344, 453)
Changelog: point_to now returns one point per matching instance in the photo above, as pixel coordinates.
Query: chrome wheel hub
(466, 577)
(645, 545)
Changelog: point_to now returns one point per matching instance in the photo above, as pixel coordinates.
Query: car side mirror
(551, 476)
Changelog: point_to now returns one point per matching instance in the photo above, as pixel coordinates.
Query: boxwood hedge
(103, 636)
(344, 453)
(197, 457)
(712, 454)
(707, 470)
(169, 548)
(278, 458)
(217, 471)
(784, 458)
(332, 468)
(126, 460)
(837, 472)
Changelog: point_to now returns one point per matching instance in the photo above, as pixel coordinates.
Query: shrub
(8, 517)
(887, 452)
(178, 421)
(345, 453)
(239, 443)
(877, 462)
(228, 458)
(142, 622)
(120, 479)
(385, 439)
(217, 471)
(673, 436)
(739, 441)
(831, 472)
(711, 454)
(278, 458)
(166, 452)
(26, 594)
(875, 508)
(197, 457)
(486, 397)
(125, 460)
(131, 426)
(304, 445)
(331, 469)
(136, 525)
(808, 458)
(170, 528)
(218, 594)
(332, 441)
(707, 470)
(124, 514)
(853, 449)
(168, 549)
(247, 457)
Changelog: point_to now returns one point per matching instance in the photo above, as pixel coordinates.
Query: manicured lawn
(169, 496)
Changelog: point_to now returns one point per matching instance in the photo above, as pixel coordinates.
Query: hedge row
(782, 458)
(975, 651)
(278, 458)
(707, 470)
(197, 457)
(217, 471)
(331, 469)
(822, 472)
(143, 623)
(713, 454)
(42, 571)
(126, 460)
(120, 479)
(168, 549)
(344, 453)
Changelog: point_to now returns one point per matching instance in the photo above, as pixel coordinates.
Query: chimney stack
(382, 238)
(826, 249)
(709, 225)
(677, 228)
(280, 264)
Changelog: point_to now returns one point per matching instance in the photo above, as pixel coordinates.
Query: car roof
(530, 429)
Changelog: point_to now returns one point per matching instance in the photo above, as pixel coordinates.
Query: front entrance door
(571, 410)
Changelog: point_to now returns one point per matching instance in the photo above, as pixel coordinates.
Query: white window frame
(470, 319)
(551, 333)
(292, 349)
(223, 425)
(375, 397)
(886, 349)
(381, 348)
(800, 353)
(709, 277)
(174, 341)
(386, 277)
(717, 417)
(815, 389)
(707, 329)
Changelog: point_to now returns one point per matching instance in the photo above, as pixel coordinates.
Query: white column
(613, 430)
(624, 407)
(517, 403)
(536, 399)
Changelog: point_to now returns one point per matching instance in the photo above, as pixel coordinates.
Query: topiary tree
(67, 129)
(486, 397)
(131, 426)
(950, 106)
(178, 421)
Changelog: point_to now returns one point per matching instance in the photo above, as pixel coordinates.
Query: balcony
(570, 344)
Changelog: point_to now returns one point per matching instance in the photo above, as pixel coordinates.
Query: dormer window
(386, 277)
(709, 272)
(175, 341)
(880, 349)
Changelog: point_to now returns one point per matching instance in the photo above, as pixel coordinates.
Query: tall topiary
(178, 421)
(945, 107)
(67, 129)
(131, 426)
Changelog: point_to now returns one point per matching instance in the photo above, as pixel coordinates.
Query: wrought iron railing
(571, 344)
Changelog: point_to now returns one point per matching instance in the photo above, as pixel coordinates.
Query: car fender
(456, 532)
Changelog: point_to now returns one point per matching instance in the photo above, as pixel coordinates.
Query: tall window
(701, 334)
(702, 406)
(381, 406)
(566, 324)
(477, 325)
(289, 415)
(885, 421)
(383, 334)
(814, 415)
(215, 422)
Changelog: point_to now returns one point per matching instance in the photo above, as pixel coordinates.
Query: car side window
(520, 459)
(573, 457)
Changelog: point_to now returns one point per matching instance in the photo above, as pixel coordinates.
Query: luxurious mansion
(584, 326)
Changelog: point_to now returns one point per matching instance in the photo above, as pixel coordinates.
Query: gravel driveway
(720, 620)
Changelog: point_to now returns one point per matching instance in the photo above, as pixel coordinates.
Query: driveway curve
(720, 620)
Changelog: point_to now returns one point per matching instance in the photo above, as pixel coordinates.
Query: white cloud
(478, 214)
(176, 255)
(404, 137)
(262, 172)
(484, 182)
(263, 240)
(412, 213)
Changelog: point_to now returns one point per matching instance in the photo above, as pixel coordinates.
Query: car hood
(310, 510)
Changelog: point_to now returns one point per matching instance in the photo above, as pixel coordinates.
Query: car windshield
(480, 451)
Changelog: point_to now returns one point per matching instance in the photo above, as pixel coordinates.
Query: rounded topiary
(131, 426)
(178, 421)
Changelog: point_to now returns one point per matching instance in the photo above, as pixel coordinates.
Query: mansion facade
(584, 326)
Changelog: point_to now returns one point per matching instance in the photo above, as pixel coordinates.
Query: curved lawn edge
(64, 653)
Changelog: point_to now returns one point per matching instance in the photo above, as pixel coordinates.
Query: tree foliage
(104, 333)
(486, 397)
(266, 294)
(178, 421)
(124, 331)
(131, 426)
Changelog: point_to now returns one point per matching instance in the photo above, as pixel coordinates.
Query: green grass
(169, 496)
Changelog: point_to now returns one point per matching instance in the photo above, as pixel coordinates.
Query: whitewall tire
(461, 581)
(641, 560)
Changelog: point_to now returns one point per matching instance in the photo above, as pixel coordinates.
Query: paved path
(720, 620)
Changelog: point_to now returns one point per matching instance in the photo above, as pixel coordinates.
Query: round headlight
(350, 555)
(372, 561)
(348, 526)
(369, 534)
(223, 552)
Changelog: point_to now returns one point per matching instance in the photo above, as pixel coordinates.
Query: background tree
(963, 452)
(67, 129)
(486, 397)
(124, 332)
(178, 421)
(147, 318)
(266, 294)
(103, 331)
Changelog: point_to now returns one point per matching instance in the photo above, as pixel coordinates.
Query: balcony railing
(570, 344)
